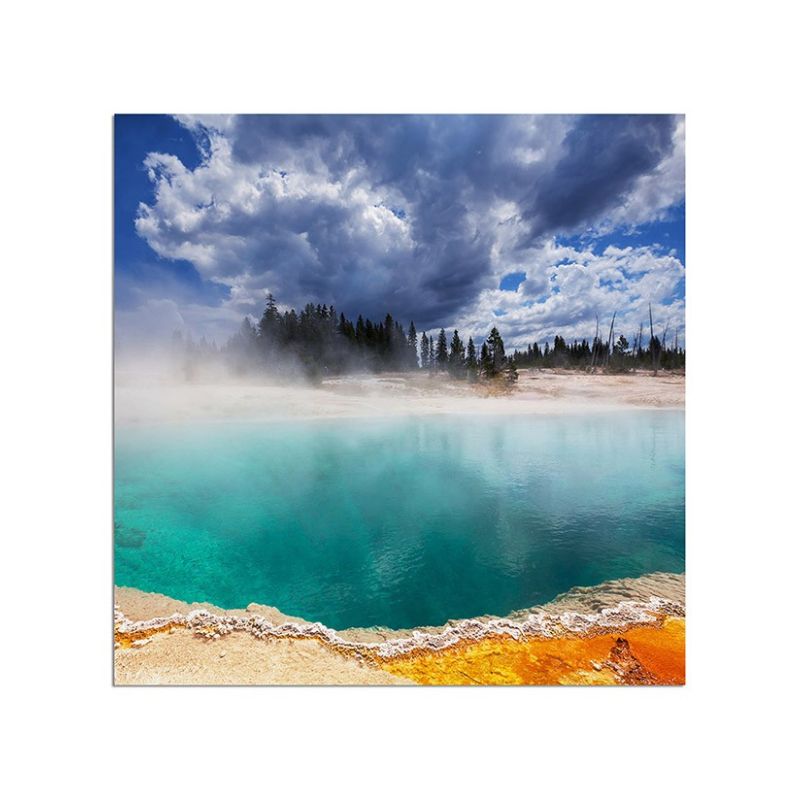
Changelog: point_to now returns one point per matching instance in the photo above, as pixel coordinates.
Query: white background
(67, 67)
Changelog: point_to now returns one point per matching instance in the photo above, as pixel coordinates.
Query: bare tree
(637, 344)
(610, 337)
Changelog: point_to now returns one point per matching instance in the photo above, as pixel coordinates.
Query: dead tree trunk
(610, 337)
(638, 346)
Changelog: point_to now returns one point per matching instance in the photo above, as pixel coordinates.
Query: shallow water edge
(583, 611)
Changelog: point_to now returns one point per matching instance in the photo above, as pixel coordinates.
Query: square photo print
(399, 400)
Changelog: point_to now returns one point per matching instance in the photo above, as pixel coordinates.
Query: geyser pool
(399, 522)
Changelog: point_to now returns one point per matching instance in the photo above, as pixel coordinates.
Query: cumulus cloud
(420, 216)
(570, 290)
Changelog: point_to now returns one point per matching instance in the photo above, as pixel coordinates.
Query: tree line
(612, 355)
(622, 356)
(317, 341)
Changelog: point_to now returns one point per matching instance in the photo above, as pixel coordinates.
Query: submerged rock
(128, 537)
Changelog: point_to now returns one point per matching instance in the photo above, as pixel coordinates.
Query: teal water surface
(400, 522)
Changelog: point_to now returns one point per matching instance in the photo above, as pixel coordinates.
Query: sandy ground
(180, 658)
(393, 394)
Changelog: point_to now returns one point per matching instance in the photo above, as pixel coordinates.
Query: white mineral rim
(539, 624)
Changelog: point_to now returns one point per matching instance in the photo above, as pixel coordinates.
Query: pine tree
(497, 351)
(270, 321)
(486, 364)
(270, 329)
(388, 327)
(456, 359)
(510, 371)
(412, 346)
(472, 361)
(424, 351)
(441, 350)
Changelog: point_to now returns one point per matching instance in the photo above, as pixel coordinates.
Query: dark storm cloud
(603, 157)
(443, 177)
(436, 170)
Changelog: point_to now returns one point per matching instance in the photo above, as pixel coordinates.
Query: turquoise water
(401, 522)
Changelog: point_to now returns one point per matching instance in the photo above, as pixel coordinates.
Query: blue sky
(139, 271)
(538, 224)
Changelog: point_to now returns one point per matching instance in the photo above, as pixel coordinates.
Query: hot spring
(398, 522)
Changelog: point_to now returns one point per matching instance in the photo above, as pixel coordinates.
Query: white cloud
(564, 297)
(311, 218)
